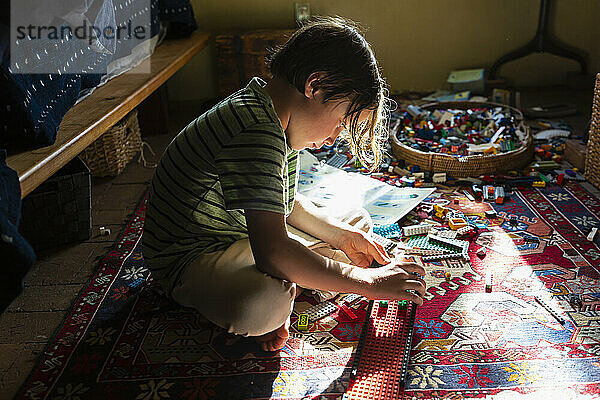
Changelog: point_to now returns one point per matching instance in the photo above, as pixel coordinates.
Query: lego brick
(477, 192)
(401, 171)
(422, 243)
(488, 281)
(338, 160)
(550, 310)
(463, 230)
(426, 208)
(468, 195)
(440, 257)
(491, 214)
(391, 231)
(450, 234)
(439, 209)
(447, 276)
(489, 192)
(424, 252)
(592, 234)
(416, 229)
(348, 311)
(351, 298)
(380, 370)
(466, 231)
(321, 310)
(387, 244)
(439, 177)
(481, 252)
(454, 244)
(302, 323)
(499, 195)
(457, 223)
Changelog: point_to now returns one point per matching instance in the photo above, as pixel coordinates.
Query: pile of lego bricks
(459, 132)
(550, 146)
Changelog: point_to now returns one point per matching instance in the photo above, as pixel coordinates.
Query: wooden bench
(89, 119)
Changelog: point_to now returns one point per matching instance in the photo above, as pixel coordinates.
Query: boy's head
(330, 63)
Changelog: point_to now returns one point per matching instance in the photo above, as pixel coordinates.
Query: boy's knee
(262, 307)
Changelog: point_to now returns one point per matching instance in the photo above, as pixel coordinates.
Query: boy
(224, 225)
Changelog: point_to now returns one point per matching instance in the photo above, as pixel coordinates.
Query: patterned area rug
(469, 343)
(120, 344)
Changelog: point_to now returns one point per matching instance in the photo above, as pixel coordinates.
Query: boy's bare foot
(276, 339)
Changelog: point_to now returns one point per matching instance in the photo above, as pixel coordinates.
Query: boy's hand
(395, 281)
(361, 249)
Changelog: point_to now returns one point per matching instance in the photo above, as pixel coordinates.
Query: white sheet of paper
(332, 187)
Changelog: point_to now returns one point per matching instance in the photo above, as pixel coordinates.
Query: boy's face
(314, 123)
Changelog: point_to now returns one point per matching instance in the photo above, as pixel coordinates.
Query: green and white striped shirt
(233, 157)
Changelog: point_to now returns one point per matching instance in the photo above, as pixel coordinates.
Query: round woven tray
(475, 165)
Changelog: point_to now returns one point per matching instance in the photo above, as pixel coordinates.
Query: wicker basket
(475, 165)
(59, 210)
(112, 151)
(242, 56)
(592, 158)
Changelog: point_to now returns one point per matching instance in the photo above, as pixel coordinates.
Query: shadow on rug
(119, 343)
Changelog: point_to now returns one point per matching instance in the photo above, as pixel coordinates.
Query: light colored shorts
(229, 290)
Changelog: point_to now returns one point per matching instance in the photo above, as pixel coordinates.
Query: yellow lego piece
(457, 223)
(440, 209)
(490, 150)
(302, 322)
(539, 184)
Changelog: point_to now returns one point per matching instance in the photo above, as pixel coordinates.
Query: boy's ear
(312, 85)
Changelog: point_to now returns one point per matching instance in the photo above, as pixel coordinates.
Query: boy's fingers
(414, 298)
(412, 267)
(379, 254)
(416, 285)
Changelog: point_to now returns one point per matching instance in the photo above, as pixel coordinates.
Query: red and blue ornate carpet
(469, 343)
(117, 344)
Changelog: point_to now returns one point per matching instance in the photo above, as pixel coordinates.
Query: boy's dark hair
(335, 47)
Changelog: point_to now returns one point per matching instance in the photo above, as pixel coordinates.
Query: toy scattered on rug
(328, 307)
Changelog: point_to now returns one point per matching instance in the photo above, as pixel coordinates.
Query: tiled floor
(59, 274)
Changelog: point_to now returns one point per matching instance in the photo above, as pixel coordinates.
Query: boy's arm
(357, 245)
(278, 255)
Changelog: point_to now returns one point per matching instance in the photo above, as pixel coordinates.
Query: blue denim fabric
(16, 255)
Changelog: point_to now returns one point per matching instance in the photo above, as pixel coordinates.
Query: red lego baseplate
(383, 355)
